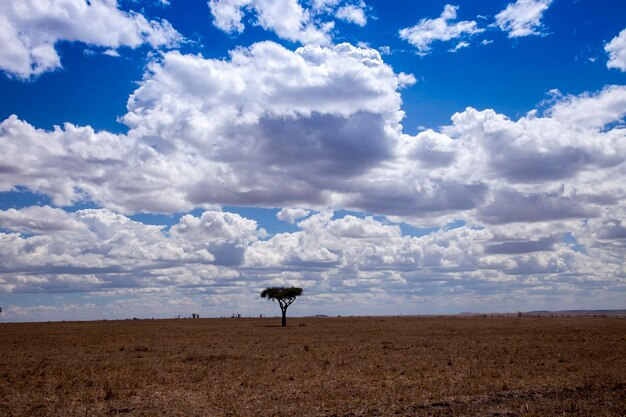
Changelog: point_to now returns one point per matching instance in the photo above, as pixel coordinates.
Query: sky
(162, 158)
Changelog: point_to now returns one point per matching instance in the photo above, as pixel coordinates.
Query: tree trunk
(284, 323)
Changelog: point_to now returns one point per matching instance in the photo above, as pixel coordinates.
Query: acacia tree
(285, 297)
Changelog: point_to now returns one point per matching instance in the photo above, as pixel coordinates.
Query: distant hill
(580, 312)
(554, 312)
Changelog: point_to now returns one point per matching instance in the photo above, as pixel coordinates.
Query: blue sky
(162, 158)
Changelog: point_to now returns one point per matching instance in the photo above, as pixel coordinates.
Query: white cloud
(324, 5)
(591, 111)
(313, 117)
(94, 250)
(604, 237)
(74, 163)
(216, 226)
(37, 219)
(567, 161)
(367, 228)
(310, 119)
(616, 49)
(353, 14)
(29, 30)
(427, 31)
(569, 139)
(459, 46)
(363, 255)
(385, 50)
(288, 18)
(228, 14)
(224, 235)
(522, 18)
(341, 80)
(111, 52)
(291, 214)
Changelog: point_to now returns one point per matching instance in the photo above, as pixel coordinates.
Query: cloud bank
(321, 127)
(219, 259)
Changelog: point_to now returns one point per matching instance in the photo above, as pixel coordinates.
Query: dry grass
(509, 366)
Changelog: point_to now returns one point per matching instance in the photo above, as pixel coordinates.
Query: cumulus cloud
(571, 138)
(362, 255)
(291, 214)
(310, 118)
(216, 226)
(522, 18)
(508, 207)
(604, 237)
(73, 164)
(197, 124)
(288, 18)
(94, 250)
(616, 49)
(36, 219)
(591, 111)
(342, 80)
(353, 14)
(224, 235)
(562, 163)
(427, 31)
(30, 29)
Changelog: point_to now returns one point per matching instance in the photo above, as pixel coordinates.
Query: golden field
(367, 366)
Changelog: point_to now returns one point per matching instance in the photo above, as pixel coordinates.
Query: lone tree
(285, 297)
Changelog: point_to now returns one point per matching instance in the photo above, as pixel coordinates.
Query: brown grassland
(376, 366)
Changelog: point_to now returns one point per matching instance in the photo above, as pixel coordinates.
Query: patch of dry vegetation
(511, 366)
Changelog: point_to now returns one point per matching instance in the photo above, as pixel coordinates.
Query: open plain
(367, 366)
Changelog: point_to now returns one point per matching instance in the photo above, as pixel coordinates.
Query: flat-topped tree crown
(285, 297)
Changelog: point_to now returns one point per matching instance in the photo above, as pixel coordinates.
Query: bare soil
(375, 366)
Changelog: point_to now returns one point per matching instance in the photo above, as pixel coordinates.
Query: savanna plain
(365, 366)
